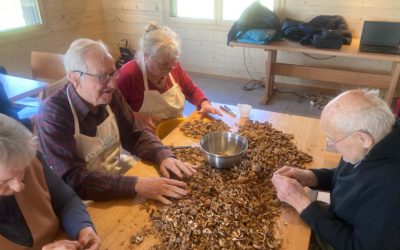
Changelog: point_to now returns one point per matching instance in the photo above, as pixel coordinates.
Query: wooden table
(18, 88)
(382, 80)
(116, 221)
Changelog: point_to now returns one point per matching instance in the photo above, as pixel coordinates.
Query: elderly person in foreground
(155, 83)
(83, 127)
(364, 187)
(34, 202)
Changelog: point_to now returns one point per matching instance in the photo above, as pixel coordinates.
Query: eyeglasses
(331, 142)
(165, 65)
(101, 78)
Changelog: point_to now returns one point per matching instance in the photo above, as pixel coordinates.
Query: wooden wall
(204, 46)
(65, 20)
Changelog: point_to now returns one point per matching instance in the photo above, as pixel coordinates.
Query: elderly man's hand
(179, 168)
(304, 176)
(63, 245)
(157, 188)
(206, 107)
(290, 191)
(89, 239)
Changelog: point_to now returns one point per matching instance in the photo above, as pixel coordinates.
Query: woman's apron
(165, 105)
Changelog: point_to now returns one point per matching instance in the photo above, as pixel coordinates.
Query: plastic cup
(244, 110)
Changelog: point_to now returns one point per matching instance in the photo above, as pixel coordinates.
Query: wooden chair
(48, 67)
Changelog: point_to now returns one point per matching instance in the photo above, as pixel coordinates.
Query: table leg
(269, 76)
(393, 83)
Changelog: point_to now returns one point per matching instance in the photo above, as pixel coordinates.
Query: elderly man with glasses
(364, 187)
(83, 127)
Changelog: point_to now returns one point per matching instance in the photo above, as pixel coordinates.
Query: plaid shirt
(55, 128)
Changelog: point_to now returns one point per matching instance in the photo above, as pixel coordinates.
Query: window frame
(216, 23)
(37, 29)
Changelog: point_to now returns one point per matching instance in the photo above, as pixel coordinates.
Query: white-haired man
(83, 126)
(364, 187)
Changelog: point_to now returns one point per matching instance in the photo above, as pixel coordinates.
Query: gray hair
(17, 146)
(375, 117)
(157, 40)
(74, 57)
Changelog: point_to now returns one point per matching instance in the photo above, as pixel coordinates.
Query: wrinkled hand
(290, 191)
(206, 107)
(89, 239)
(304, 176)
(158, 188)
(179, 168)
(63, 245)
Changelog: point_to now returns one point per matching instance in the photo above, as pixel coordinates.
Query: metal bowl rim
(225, 157)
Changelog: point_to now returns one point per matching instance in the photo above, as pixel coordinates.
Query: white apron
(161, 106)
(103, 151)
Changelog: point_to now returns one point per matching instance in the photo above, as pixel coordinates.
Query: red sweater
(131, 85)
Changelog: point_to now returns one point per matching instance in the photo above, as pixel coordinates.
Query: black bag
(125, 52)
(291, 30)
(256, 16)
(331, 39)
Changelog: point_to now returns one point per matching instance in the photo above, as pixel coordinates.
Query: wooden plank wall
(204, 46)
(65, 20)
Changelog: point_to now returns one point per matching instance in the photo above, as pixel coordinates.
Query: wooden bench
(386, 80)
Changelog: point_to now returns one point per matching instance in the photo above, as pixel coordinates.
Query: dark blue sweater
(365, 201)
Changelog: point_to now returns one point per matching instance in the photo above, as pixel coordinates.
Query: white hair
(74, 57)
(17, 146)
(159, 40)
(376, 117)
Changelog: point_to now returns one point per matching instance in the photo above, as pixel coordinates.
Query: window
(213, 10)
(193, 8)
(18, 14)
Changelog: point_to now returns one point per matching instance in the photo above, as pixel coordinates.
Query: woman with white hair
(155, 83)
(364, 187)
(35, 204)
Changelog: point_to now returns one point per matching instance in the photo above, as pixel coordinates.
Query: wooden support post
(393, 83)
(269, 78)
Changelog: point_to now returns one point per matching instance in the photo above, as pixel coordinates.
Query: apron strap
(76, 123)
(144, 72)
(173, 80)
(76, 120)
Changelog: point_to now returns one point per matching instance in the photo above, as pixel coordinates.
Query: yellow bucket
(165, 127)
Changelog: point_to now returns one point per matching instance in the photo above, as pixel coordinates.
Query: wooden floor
(230, 92)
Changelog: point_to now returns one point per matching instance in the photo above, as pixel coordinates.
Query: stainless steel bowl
(223, 149)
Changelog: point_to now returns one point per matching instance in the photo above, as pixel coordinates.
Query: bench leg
(269, 77)
(393, 83)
